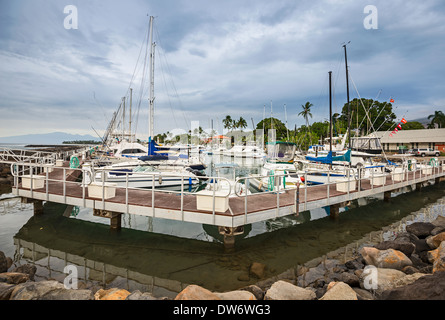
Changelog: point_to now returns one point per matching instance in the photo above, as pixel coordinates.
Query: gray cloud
(213, 58)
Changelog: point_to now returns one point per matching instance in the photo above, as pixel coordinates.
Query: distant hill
(424, 121)
(47, 138)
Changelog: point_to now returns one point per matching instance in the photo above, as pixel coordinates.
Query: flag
(395, 129)
(392, 100)
(399, 126)
(403, 120)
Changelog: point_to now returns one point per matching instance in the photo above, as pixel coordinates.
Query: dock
(59, 183)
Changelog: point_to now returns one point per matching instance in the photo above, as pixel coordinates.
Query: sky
(66, 65)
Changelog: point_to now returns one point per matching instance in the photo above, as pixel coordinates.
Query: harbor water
(163, 256)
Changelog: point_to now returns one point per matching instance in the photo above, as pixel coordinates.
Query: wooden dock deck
(64, 185)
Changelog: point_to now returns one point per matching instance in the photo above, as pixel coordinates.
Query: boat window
(126, 151)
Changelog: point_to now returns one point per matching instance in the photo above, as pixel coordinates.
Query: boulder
(428, 287)
(339, 291)
(420, 229)
(350, 279)
(194, 292)
(3, 262)
(13, 277)
(283, 290)
(363, 294)
(379, 279)
(6, 290)
(258, 270)
(408, 279)
(406, 247)
(392, 259)
(48, 290)
(439, 222)
(255, 290)
(28, 269)
(137, 295)
(235, 295)
(434, 241)
(437, 258)
(111, 294)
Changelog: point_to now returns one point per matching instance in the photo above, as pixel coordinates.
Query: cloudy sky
(213, 58)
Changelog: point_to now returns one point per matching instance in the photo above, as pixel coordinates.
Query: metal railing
(46, 174)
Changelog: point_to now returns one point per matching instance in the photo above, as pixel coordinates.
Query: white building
(411, 139)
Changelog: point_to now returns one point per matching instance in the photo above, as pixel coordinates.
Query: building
(411, 139)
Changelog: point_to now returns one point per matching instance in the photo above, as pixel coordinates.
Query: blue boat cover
(329, 158)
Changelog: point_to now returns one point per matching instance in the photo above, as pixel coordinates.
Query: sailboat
(150, 165)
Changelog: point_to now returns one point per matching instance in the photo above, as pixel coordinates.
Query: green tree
(273, 123)
(228, 123)
(437, 118)
(370, 115)
(241, 123)
(306, 113)
(413, 125)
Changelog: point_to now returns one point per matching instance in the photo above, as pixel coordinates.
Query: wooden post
(115, 218)
(116, 221)
(387, 196)
(334, 211)
(38, 205)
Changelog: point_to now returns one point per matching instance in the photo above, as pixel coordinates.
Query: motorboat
(278, 170)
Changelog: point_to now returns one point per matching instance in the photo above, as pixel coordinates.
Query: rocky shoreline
(410, 267)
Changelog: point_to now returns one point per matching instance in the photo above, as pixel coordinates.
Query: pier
(59, 183)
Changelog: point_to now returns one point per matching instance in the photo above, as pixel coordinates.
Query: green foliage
(369, 115)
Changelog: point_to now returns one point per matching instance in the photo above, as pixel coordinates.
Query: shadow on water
(172, 262)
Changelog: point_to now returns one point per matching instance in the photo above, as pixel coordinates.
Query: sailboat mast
(330, 110)
(152, 69)
(347, 95)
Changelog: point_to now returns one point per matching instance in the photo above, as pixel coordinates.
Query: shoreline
(338, 275)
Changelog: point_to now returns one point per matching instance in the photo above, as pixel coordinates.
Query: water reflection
(175, 254)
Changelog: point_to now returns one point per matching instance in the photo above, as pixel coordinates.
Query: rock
(194, 292)
(339, 291)
(420, 229)
(255, 290)
(404, 246)
(258, 270)
(243, 277)
(312, 276)
(392, 259)
(235, 295)
(421, 245)
(6, 290)
(111, 294)
(437, 258)
(282, 290)
(439, 222)
(13, 277)
(408, 279)
(410, 270)
(428, 287)
(363, 294)
(437, 230)
(434, 241)
(379, 279)
(350, 279)
(3, 262)
(29, 269)
(48, 290)
(137, 295)
(355, 264)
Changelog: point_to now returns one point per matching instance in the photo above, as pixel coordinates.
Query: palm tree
(228, 123)
(241, 123)
(306, 113)
(437, 118)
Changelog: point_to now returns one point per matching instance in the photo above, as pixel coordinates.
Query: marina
(229, 211)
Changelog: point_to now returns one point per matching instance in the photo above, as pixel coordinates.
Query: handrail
(19, 169)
